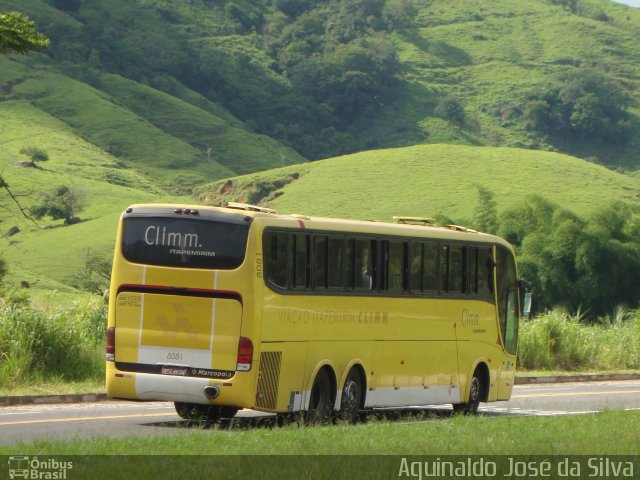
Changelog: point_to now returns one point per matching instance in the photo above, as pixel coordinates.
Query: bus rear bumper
(172, 388)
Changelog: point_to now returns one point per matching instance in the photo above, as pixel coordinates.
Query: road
(28, 423)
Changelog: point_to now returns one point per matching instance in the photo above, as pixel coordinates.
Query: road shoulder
(520, 380)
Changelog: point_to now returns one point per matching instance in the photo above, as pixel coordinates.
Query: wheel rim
(351, 395)
(474, 391)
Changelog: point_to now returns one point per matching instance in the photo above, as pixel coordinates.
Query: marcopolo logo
(40, 469)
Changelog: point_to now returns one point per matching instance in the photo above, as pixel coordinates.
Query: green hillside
(491, 56)
(329, 77)
(428, 180)
(420, 180)
(43, 252)
(161, 136)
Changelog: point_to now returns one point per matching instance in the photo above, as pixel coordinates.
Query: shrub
(559, 341)
(62, 343)
(451, 109)
(35, 154)
(62, 203)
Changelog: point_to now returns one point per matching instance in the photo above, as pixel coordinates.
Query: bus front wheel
(320, 403)
(475, 394)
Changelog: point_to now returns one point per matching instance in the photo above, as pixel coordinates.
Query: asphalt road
(28, 423)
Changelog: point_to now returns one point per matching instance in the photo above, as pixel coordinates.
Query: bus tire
(206, 413)
(193, 411)
(351, 397)
(320, 403)
(228, 412)
(475, 394)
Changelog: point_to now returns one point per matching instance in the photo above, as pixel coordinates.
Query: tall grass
(46, 344)
(559, 341)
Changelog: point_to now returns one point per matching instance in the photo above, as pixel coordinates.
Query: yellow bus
(220, 309)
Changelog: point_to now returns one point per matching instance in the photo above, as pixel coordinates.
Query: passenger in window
(366, 279)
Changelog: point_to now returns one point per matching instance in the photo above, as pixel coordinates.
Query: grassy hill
(421, 180)
(53, 257)
(186, 77)
(163, 137)
(490, 56)
(427, 180)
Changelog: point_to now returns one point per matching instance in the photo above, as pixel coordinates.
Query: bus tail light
(111, 344)
(245, 354)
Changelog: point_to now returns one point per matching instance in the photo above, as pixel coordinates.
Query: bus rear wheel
(207, 413)
(475, 394)
(320, 404)
(351, 397)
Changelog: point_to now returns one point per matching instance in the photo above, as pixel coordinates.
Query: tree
(589, 265)
(608, 260)
(294, 8)
(62, 203)
(96, 274)
(399, 14)
(68, 5)
(532, 215)
(352, 78)
(351, 19)
(485, 214)
(581, 105)
(450, 109)
(18, 34)
(567, 4)
(35, 154)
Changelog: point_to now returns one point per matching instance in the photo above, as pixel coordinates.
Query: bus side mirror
(526, 308)
(525, 286)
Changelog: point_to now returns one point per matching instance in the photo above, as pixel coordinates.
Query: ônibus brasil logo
(37, 469)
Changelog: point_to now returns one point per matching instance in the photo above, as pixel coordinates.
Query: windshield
(184, 242)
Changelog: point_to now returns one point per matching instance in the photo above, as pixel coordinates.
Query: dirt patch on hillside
(252, 192)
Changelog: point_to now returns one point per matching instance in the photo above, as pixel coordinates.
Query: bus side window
(300, 258)
(392, 274)
(473, 270)
(336, 262)
(430, 269)
(444, 263)
(374, 265)
(320, 262)
(276, 259)
(362, 265)
(396, 267)
(456, 275)
(485, 272)
(416, 264)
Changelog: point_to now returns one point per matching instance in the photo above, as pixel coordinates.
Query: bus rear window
(184, 242)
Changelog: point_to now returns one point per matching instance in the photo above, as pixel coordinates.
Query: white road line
(20, 413)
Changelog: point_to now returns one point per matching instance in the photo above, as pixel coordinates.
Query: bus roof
(403, 226)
